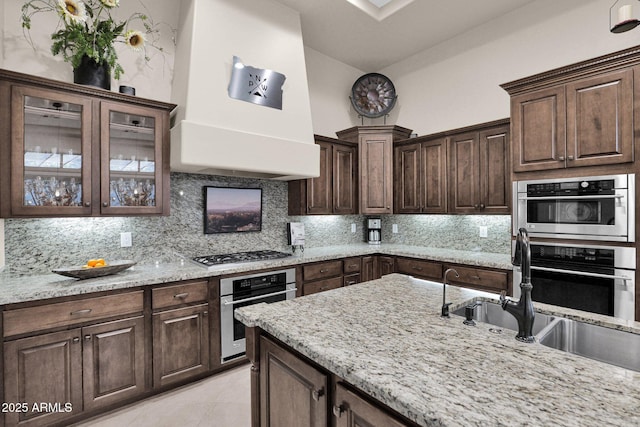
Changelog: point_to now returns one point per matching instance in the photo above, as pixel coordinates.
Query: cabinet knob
(337, 411)
(205, 313)
(75, 340)
(87, 337)
(476, 206)
(481, 205)
(317, 394)
(105, 204)
(87, 204)
(561, 158)
(570, 158)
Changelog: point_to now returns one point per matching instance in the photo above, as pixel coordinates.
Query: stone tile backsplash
(34, 246)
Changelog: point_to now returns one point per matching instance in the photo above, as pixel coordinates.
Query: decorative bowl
(83, 272)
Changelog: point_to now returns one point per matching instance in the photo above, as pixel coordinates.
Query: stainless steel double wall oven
(596, 276)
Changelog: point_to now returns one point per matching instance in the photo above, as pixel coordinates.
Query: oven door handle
(232, 302)
(582, 273)
(610, 196)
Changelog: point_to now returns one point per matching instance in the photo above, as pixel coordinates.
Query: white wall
(456, 84)
(330, 84)
(151, 80)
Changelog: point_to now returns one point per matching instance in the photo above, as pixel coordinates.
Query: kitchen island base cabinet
(351, 410)
(288, 390)
(293, 393)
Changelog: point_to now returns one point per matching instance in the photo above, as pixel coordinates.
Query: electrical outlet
(483, 231)
(125, 240)
(394, 228)
(353, 228)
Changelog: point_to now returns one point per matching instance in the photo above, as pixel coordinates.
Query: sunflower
(72, 11)
(134, 39)
(110, 3)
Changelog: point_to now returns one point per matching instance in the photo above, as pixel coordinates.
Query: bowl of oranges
(95, 267)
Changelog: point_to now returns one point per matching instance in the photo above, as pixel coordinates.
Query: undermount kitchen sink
(493, 314)
(595, 342)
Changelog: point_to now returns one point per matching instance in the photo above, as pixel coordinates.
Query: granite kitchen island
(386, 341)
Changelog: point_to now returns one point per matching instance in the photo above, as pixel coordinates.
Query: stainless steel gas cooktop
(214, 260)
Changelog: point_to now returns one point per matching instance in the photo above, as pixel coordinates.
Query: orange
(92, 262)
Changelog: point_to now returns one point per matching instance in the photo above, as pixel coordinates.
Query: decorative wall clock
(373, 95)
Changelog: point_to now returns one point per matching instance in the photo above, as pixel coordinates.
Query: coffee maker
(374, 231)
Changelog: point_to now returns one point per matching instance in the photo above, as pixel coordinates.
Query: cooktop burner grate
(212, 260)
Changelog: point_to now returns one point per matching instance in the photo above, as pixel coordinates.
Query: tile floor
(219, 401)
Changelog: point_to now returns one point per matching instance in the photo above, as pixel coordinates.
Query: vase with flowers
(87, 33)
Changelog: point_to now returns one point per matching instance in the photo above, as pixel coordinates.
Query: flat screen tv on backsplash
(232, 210)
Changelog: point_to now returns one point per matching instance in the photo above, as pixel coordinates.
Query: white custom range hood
(216, 134)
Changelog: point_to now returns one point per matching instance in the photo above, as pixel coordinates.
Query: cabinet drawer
(48, 316)
(414, 267)
(351, 279)
(352, 265)
(184, 293)
(322, 270)
(478, 278)
(322, 285)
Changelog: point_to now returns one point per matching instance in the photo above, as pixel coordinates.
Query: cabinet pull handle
(76, 340)
(87, 337)
(80, 312)
(337, 411)
(417, 268)
(570, 158)
(317, 394)
(561, 158)
(323, 270)
(352, 265)
(183, 295)
(205, 313)
(475, 277)
(351, 282)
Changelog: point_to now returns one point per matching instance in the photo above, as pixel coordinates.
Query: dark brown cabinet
(376, 266)
(375, 154)
(479, 172)
(87, 367)
(431, 270)
(576, 116)
(292, 391)
(351, 410)
(74, 150)
(420, 177)
(181, 340)
(334, 191)
(484, 279)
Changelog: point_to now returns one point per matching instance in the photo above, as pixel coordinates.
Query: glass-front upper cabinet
(132, 159)
(51, 153)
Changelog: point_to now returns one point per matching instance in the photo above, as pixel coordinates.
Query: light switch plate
(484, 231)
(125, 239)
(353, 228)
(394, 228)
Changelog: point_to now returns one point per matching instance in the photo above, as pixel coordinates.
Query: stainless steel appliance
(374, 231)
(211, 261)
(236, 292)
(594, 278)
(588, 208)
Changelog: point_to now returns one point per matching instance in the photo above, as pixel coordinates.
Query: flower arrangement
(87, 28)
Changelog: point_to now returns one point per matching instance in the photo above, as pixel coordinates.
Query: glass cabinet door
(51, 153)
(131, 159)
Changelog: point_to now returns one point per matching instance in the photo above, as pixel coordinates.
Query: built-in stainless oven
(586, 208)
(236, 292)
(594, 278)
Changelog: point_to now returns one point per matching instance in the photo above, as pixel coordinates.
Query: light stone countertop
(16, 289)
(387, 338)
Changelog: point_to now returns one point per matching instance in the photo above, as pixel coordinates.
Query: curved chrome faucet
(522, 310)
(445, 305)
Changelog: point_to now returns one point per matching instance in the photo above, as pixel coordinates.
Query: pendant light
(624, 16)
